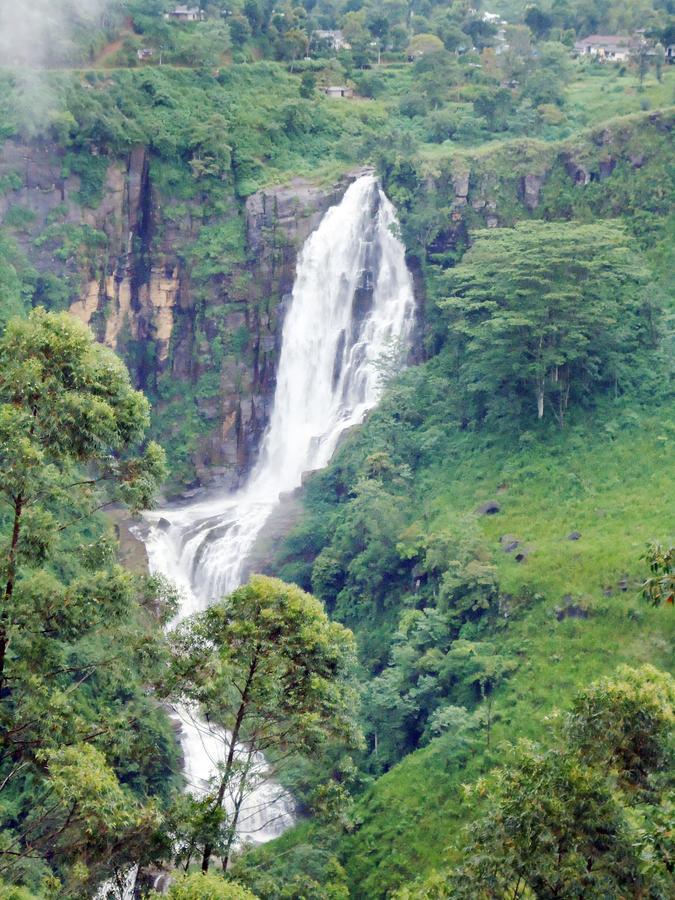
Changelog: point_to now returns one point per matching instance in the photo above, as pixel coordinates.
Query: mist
(43, 33)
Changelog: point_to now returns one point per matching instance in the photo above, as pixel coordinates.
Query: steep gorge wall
(190, 292)
(189, 283)
(618, 169)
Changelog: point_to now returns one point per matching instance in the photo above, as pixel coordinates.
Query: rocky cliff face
(594, 172)
(141, 263)
(99, 252)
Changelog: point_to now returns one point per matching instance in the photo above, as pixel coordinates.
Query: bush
(413, 105)
(210, 886)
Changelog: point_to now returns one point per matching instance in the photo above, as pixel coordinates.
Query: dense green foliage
(569, 822)
(79, 787)
(269, 666)
(483, 534)
(547, 312)
(206, 887)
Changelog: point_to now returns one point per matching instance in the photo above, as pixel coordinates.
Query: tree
(552, 830)
(642, 58)
(623, 724)
(495, 105)
(546, 73)
(538, 21)
(308, 85)
(255, 15)
(240, 31)
(452, 36)
(398, 37)
(377, 24)
(546, 311)
(436, 73)
(206, 886)
(13, 289)
(73, 634)
(588, 818)
(357, 35)
(201, 45)
(82, 814)
(422, 44)
(292, 45)
(660, 586)
(659, 59)
(482, 33)
(211, 152)
(268, 665)
(65, 401)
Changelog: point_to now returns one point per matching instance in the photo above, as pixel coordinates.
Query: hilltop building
(185, 14)
(606, 47)
(333, 39)
(337, 91)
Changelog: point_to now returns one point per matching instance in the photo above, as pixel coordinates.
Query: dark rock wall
(592, 174)
(126, 270)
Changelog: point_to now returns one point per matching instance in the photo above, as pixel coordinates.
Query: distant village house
(337, 91)
(606, 47)
(185, 14)
(145, 53)
(335, 40)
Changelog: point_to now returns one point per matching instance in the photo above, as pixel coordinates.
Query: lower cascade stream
(352, 307)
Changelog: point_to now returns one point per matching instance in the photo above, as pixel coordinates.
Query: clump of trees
(546, 314)
(77, 776)
(588, 818)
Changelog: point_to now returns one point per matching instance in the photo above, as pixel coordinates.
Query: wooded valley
(336, 449)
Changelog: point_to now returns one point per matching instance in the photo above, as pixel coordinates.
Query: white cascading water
(351, 303)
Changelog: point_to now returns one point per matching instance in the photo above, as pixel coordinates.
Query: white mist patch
(32, 33)
(352, 298)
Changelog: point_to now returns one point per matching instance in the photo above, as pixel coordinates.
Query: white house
(185, 14)
(606, 47)
(333, 39)
(337, 91)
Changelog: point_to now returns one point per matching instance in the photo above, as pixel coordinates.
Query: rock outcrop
(521, 178)
(125, 261)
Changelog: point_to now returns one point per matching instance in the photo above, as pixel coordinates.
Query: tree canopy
(546, 314)
(75, 631)
(568, 822)
(268, 665)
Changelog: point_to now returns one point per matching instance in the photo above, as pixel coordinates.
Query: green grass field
(600, 92)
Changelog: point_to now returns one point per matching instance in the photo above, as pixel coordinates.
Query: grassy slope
(617, 492)
(601, 92)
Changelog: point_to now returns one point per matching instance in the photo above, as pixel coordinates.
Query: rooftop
(606, 40)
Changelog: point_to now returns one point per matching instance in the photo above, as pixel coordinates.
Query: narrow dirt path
(110, 50)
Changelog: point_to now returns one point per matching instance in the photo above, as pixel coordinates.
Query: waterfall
(352, 301)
